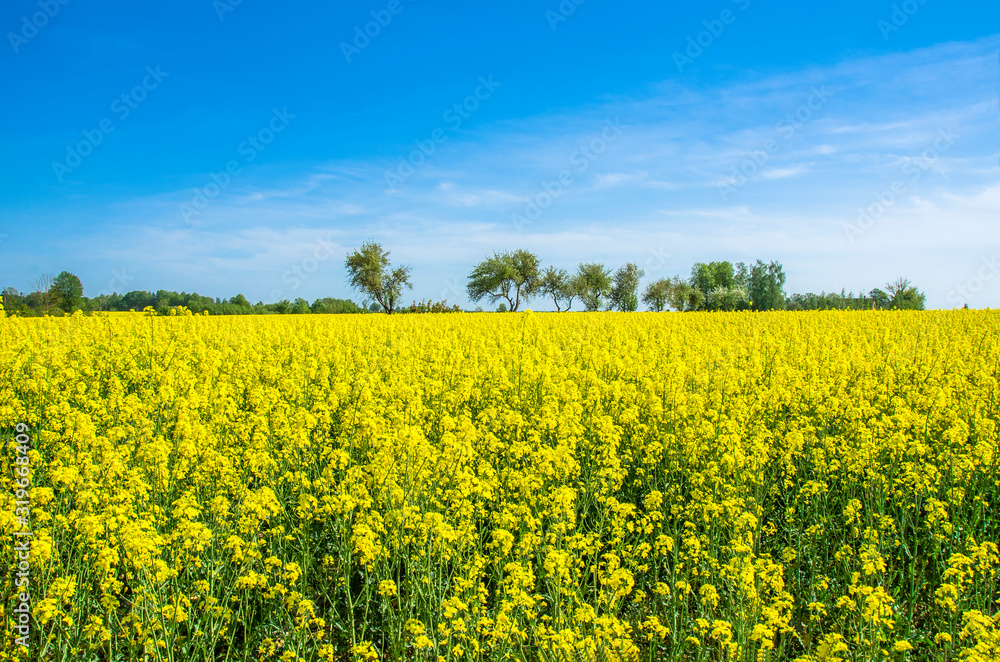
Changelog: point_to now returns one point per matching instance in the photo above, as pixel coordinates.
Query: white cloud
(782, 173)
(614, 179)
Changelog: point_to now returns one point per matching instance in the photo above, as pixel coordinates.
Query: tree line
(64, 294)
(514, 277)
(507, 280)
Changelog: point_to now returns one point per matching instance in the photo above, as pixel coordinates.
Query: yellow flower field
(738, 486)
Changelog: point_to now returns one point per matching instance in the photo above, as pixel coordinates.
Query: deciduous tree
(904, 296)
(558, 284)
(594, 283)
(657, 294)
(684, 296)
(624, 293)
(67, 291)
(370, 273)
(513, 276)
(767, 286)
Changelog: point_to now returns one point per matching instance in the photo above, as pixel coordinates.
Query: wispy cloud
(781, 173)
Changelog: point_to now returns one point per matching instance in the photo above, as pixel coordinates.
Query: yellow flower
(576, 485)
(387, 588)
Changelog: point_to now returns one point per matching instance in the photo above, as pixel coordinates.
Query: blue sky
(230, 146)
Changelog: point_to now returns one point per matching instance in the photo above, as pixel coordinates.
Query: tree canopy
(904, 296)
(511, 275)
(594, 285)
(624, 294)
(558, 284)
(370, 273)
(766, 286)
(67, 292)
(657, 295)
